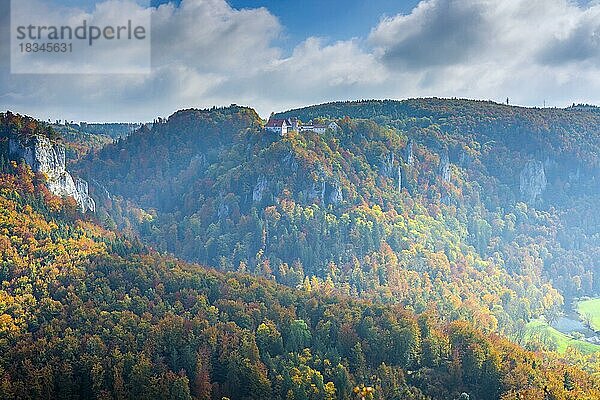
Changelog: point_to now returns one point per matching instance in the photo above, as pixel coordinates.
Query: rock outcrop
(48, 158)
(84, 199)
(464, 159)
(533, 182)
(444, 167)
(260, 189)
(335, 194)
(575, 176)
(386, 166)
(408, 152)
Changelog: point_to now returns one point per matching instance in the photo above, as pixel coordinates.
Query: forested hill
(574, 131)
(548, 159)
(423, 211)
(86, 313)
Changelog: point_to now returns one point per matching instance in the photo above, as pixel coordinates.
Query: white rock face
(533, 181)
(408, 152)
(48, 158)
(85, 200)
(386, 166)
(260, 189)
(444, 167)
(336, 196)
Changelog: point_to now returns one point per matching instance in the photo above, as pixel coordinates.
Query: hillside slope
(547, 158)
(87, 313)
(441, 212)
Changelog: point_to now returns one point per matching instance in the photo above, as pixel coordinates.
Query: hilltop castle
(285, 125)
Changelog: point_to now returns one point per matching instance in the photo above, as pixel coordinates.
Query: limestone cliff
(444, 166)
(533, 181)
(261, 187)
(49, 158)
(408, 152)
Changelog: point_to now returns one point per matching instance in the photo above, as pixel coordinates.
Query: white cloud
(436, 33)
(321, 71)
(530, 50)
(211, 36)
(104, 55)
(207, 53)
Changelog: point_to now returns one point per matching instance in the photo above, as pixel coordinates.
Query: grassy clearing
(590, 310)
(543, 331)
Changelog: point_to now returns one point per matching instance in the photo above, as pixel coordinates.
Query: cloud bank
(206, 53)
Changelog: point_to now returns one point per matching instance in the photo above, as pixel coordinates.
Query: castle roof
(277, 123)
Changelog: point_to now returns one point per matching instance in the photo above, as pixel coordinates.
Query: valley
(300, 200)
(573, 328)
(423, 230)
(557, 337)
(589, 312)
(472, 209)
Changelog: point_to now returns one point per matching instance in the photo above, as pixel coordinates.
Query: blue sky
(332, 19)
(278, 54)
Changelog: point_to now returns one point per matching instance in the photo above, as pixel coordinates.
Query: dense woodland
(112, 130)
(78, 142)
(489, 143)
(87, 313)
(393, 237)
(24, 126)
(415, 202)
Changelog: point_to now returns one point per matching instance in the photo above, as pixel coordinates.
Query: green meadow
(541, 329)
(590, 310)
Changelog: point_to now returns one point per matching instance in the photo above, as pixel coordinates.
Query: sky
(274, 55)
(329, 19)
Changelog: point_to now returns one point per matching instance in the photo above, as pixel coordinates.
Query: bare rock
(533, 182)
(48, 158)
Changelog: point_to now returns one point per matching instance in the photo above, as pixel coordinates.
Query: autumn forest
(426, 249)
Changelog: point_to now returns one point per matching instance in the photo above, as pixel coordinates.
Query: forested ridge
(87, 313)
(490, 144)
(395, 236)
(417, 202)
